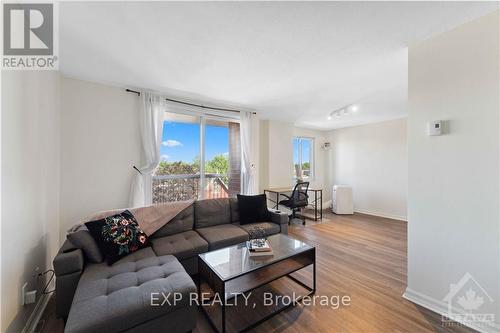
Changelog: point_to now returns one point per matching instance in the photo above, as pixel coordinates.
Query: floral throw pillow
(117, 235)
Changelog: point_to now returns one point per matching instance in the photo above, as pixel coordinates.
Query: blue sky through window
(306, 149)
(295, 151)
(181, 141)
(302, 155)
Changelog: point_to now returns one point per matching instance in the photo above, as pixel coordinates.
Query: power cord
(50, 280)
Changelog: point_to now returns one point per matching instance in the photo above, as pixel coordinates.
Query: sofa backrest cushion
(184, 221)
(235, 215)
(211, 212)
(80, 236)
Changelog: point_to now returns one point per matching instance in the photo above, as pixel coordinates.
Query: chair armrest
(286, 196)
(281, 219)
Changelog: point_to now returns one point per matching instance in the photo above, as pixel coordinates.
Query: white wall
(453, 189)
(373, 160)
(280, 158)
(99, 144)
(276, 155)
(275, 167)
(30, 186)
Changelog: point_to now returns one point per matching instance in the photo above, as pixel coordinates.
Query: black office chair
(296, 200)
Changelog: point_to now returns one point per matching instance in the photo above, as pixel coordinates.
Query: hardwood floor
(360, 256)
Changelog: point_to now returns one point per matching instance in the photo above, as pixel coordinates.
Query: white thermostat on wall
(434, 127)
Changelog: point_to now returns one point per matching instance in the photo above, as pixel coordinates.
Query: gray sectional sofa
(101, 298)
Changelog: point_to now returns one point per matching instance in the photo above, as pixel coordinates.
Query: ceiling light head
(344, 111)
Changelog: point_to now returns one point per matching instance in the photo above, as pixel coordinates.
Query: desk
(318, 197)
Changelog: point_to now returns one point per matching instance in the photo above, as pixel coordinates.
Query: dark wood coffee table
(228, 276)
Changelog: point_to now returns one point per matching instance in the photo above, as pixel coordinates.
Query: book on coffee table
(260, 254)
(259, 248)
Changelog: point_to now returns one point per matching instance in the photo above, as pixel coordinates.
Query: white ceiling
(293, 61)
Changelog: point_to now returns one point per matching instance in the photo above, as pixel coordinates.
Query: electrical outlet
(23, 292)
(30, 297)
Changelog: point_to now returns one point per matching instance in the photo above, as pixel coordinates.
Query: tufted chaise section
(118, 297)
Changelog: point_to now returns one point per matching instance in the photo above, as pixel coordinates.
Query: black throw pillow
(253, 208)
(117, 235)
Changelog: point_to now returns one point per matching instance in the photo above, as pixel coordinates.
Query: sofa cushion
(118, 297)
(183, 245)
(82, 239)
(235, 214)
(211, 212)
(270, 228)
(143, 253)
(184, 221)
(223, 235)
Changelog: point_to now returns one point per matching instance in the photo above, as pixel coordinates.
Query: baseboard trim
(441, 308)
(387, 216)
(36, 314)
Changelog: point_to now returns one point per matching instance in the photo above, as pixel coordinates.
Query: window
(303, 158)
(200, 159)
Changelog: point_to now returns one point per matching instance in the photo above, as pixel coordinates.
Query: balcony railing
(168, 188)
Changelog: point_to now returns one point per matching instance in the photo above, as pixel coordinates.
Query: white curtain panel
(151, 115)
(248, 180)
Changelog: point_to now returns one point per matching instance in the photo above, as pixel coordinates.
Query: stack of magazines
(259, 248)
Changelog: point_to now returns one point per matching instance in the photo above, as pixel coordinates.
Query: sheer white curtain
(151, 128)
(248, 181)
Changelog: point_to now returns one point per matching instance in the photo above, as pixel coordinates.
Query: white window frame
(312, 163)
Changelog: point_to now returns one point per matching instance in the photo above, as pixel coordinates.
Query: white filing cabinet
(342, 200)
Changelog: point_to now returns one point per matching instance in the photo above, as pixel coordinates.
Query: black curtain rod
(190, 104)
